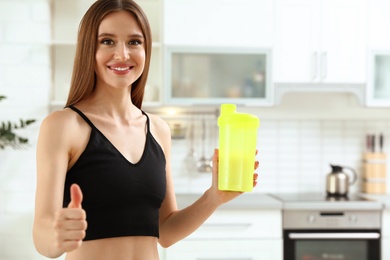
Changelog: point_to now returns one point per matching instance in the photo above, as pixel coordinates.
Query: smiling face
(120, 53)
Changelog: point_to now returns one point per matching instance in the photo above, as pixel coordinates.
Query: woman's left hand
(225, 196)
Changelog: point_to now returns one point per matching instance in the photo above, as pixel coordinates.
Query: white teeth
(120, 68)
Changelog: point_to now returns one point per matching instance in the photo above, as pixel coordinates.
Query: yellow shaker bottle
(237, 148)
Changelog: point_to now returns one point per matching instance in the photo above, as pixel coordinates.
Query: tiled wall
(294, 154)
(294, 151)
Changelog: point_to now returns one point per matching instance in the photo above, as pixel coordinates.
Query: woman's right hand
(70, 223)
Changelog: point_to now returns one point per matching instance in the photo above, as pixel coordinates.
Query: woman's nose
(122, 52)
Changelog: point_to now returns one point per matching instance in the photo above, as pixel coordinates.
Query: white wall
(25, 81)
(296, 142)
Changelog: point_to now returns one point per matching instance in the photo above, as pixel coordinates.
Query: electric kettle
(337, 181)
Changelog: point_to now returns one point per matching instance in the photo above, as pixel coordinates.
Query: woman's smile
(120, 69)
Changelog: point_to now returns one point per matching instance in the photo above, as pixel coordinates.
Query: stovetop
(317, 197)
(308, 201)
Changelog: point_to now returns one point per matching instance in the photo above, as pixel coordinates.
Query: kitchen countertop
(382, 198)
(262, 201)
(248, 200)
(318, 201)
(337, 205)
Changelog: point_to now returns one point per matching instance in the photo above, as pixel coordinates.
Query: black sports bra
(120, 198)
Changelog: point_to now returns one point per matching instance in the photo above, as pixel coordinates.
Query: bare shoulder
(60, 120)
(63, 125)
(160, 129)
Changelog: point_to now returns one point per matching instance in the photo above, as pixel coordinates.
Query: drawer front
(226, 250)
(241, 224)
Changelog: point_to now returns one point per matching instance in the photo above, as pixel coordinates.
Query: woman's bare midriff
(118, 248)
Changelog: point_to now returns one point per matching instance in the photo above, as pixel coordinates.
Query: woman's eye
(135, 42)
(107, 42)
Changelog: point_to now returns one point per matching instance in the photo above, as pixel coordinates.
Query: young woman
(104, 182)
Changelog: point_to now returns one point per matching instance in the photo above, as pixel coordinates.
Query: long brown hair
(84, 77)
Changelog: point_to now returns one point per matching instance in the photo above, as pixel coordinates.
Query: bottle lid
(229, 116)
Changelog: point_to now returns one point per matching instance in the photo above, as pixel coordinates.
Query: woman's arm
(52, 158)
(181, 223)
(177, 224)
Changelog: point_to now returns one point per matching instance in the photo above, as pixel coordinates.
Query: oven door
(331, 244)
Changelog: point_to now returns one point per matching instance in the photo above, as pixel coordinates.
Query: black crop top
(120, 198)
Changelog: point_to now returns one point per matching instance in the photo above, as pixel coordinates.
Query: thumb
(76, 196)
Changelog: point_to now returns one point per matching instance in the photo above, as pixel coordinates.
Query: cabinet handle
(368, 235)
(324, 64)
(314, 58)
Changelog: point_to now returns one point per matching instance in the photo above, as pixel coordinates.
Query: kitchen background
(300, 134)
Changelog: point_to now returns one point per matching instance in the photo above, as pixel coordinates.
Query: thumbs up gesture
(70, 223)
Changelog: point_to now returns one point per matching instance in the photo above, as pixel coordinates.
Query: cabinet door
(226, 250)
(297, 41)
(320, 41)
(241, 224)
(378, 87)
(343, 41)
(222, 23)
(378, 22)
(203, 76)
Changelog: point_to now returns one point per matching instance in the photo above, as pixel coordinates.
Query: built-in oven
(331, 235)
(322, 229)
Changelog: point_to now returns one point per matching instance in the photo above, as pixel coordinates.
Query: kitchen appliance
(337, 181)
(321, 227)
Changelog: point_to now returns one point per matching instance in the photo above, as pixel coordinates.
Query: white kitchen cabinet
(378, 21)
(213, 51)
(226, 250)
(219, 23)
(378, 87)
(385, 234)
(234, 234)
(66, 16)
(320, 41)
(199, 76)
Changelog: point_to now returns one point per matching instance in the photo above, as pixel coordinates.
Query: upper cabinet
(219, 23)
(320, 41)
(208, 52)
(218, 51)
(207, 76)
(378, 89)
(66, 16)
(378, 85)
(378, 22)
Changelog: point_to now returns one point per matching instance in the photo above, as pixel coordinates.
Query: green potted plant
(7, 135)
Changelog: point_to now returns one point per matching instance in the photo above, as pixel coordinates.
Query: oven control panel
(330, 219)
